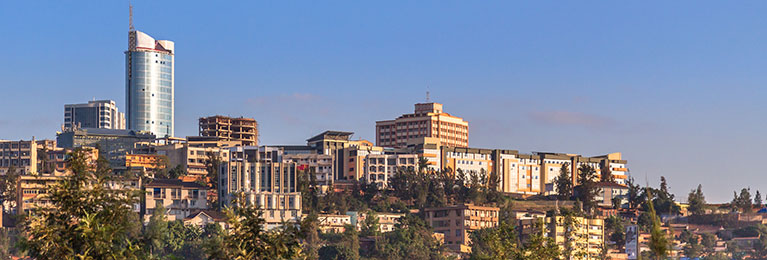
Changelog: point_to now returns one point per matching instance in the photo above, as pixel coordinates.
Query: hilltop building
(240, 129)
(149, 84)
(94, 114)
(428, 120)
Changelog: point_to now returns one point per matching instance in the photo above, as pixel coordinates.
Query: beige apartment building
(320, 164)
(179, 198)
(379, 168)
(586, 234)
(456, 223)
(230, 128)
(428, 120)
(193, 159)
(265, 179)
(22, 155)
(333, 223)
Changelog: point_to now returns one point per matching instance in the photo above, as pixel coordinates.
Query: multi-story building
(227, 128)
(428, 120)
(23, 155)
(386, 221)
(32, 192)
(265, 179)
(319, 164)
(149, 84)
(585, 234)
(94, 114)
(468, 160)
(192, 159)
(179, 198)
(114, 144)
(379, 168)
(149, 162)
(458, 221)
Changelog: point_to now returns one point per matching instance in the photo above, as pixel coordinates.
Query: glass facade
(149, 91)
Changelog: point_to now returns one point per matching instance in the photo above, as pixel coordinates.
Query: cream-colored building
(206, 217)
(586, 234)
(379, 168)
(457, 222)
(428, 120)
(320, 164)
(332, 223)
(193, 159)
(240, 129)
(265, 179)
(22, 155)
(179, 198)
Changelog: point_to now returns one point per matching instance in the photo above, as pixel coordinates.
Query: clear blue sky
(677, 86)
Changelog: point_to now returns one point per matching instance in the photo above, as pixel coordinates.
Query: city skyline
(567, 88)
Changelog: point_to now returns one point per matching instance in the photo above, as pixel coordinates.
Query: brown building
(230, 129)
(428, 120)
(456, 222)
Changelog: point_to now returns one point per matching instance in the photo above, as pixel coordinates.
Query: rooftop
(159, 183)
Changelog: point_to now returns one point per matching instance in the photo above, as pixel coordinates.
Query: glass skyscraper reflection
(149, 87)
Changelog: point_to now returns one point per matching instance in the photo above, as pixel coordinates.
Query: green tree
(539, 247)
(758, 200)
(564, 182)
(697, 201)
(634, 193)
(411, 239)
(155, 231)
(310, 235)
(8, 185)
(742, 202)
(659, 244)
(615, 230)
(587, 190)
(85, 220)
(499, 242)
(212, 166)
(606, 175)
(370, 226)
(247, 239)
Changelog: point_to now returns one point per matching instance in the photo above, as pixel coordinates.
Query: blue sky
(677, 86)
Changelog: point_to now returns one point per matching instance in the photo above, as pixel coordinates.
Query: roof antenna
(428, 98)
(130, 17)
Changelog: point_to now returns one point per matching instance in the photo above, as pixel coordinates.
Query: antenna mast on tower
(130, 17)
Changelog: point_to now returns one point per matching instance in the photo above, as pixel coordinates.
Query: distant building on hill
(227, 128)
(94, 114)
(457, 222)
(428, 120)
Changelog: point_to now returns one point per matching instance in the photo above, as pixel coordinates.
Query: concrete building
(227, 128)
(265, 179)
(179, 198)
(112, 143)
(149, 84)
(332, 223)
(386, 221)
(609, 191)
(23, 155)
(94, 114)
(586, 234)
(428, 120)
(379, 168)
(456, 223)
(319, 164)
(192, 159)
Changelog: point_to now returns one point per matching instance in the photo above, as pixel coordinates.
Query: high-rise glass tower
(149, 87)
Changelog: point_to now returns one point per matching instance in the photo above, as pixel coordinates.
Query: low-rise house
(202, 218)
(331, 223)
(179, 198)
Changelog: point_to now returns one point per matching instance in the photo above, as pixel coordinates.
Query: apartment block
(319, 164)
(265, 179)
(179, 198)
(144, 162)
(379, 168)
(586, 234)
(22, 155)
(458, 221)
(32, 192)
(94, 114)
(240, 129)
(191, 157)
(428, 120)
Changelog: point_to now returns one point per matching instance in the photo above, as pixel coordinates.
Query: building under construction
(227, 128)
